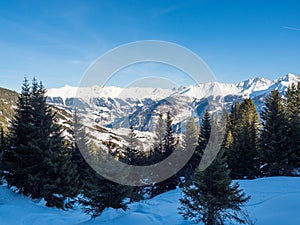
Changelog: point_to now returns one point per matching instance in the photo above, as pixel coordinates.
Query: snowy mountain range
(104, 108)
(111, 106)
(248, 88)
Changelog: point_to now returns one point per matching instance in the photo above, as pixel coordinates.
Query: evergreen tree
(274, 141)
(191, 134)
(57, 173)
(97, 192)
(169, 146)
(230, 144)
(36, 161)
(157, 154)
(191, 139)
(133, 155)
(205, 130)
(293, 124)
(79, 143)
(199, 143)
(165, 140)
(169, 139)
(212, 198)
(241, 141)
(2, 141)
(21, 128)
(160, 132)
(2, 147)
(100, 193)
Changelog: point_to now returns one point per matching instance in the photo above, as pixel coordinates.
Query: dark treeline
(269, 148)
(39, 162)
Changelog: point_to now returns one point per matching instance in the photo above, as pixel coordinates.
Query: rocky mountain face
(8, 101)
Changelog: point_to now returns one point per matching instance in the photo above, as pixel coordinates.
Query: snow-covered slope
(67, 91)
(210, 89)
(273, 201)
(252, 85)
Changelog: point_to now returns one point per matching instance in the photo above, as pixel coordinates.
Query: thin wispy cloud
(167, 10)
(77, 61)
(291, 28)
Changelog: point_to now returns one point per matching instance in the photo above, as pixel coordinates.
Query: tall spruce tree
(293, 124)
(201, 142)
(133, 155)
(241, 141)
(205, 130)
(2, 146)
(165, 139)
(169, 139)
(157, 154)
(97, 192)
(36, 161)
(79, 141)
(160, 132)
(100, 193)
(21, 128)
(230, 143)
(191, 136)
(212, 198)
(2, 140)
(274, 141)
(169, 146)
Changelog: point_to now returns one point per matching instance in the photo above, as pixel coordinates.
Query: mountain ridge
(116, 107)
(243, 88)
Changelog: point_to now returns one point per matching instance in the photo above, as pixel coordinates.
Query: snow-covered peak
(289, 78)
(254, 84)
(210, 89)
(284, 82)
(65, 91)
(258, 85)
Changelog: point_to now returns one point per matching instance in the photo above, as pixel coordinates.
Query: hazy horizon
(140, 84)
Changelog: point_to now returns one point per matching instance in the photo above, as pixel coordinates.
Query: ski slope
(274, 201)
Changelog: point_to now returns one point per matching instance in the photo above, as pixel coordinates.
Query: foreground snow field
(274, 201)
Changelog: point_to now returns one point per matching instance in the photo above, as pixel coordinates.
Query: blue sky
(56, 41)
